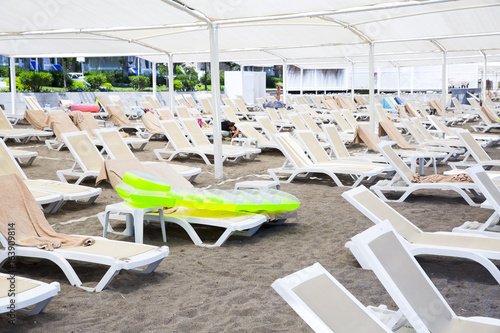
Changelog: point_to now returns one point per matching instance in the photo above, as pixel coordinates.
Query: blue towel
(387, 104)
(398, 100)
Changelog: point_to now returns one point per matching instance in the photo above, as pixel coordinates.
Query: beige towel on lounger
(24, 222)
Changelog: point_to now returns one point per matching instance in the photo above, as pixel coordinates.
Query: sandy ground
(228, 289)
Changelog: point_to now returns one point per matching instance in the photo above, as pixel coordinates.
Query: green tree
(36, 80)
(187, 76)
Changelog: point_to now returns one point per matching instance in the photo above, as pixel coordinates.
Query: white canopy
(401, 33)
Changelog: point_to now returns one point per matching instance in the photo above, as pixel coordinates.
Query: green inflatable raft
(144, 190)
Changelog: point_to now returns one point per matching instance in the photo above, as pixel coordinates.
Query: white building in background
(422, 78)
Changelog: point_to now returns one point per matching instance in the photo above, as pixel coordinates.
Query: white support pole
(171, 89)
(214, 65)
(399, 81)
(411, 79)
(302, 81)
(483, 80)
(379, 77)
(153, 65)
(352, 81)
(371, 89)
(444, 89)
(12, 83)
(285, 76)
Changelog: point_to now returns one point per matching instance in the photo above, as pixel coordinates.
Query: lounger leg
(485, 262)
(39, 307)
(106, 279)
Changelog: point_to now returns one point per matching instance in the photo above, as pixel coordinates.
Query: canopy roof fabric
(252, 32)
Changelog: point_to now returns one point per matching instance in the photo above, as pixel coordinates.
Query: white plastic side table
(134, 218)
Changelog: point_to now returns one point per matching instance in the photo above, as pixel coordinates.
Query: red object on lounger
(85, 107)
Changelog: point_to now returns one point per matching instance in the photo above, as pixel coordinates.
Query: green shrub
(140, 81)
(79, 86)
(35, 80)
(106, 87)
(19, 86)
(95, 81)
(5, 72)
(58, 79)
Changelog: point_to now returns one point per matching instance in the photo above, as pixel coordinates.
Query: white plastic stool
(134, 218)
(258, 184)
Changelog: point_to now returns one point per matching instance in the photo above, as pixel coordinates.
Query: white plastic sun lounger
(327, 306)
(44, 191)
(475, 151)
(88, 160)
(251, 133)
(22, 155)
(411, 288)
(26, 293)
(491, 192)
(19, 135)
(319, 155)
(233, 223)
(298, 163)
(450, 244)
(199, 139)
(178, 145)
(116, 149)
(401, 182)
(118, 255)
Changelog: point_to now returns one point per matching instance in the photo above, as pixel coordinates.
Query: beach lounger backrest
(310, 123)
(4, 122)
(324, 304)
(240, 104)
(273, 114)
(413, 131)
(317, 153)
(153, 101)
(228, 111)
(341, 122)
(82, 148)
(348, 116)
(267, 126)
(396, 162)
(164, 113)
(8, 164)
(32, 103)
(412, 111)
(206, 105)
(146, 105)
(422, 130)
(180, 100)
(174, 134)
(294, 153)
(377, 210)
(297, 122)
(183, 112)
(190, 100)
(113, 142)
(404, 279)
(252, 133)
(472, 146)
(195, 133)
(335, 141)
(440, 126)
